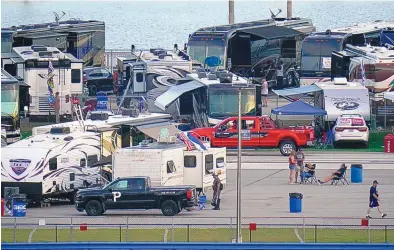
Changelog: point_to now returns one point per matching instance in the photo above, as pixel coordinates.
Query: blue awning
(297, 91)
(298, 108)
(173, 93)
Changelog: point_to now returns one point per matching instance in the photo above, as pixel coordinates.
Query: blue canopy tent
(298, 108)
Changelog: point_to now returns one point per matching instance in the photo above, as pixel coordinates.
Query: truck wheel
(71, 197)
(286, 147)
(94, 208)
(169, 208)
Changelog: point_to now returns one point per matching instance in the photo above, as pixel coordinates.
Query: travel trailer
(378, 63)
(169, 164)
(340, 97)
(149, 73)
(53, 165)
(45, 70)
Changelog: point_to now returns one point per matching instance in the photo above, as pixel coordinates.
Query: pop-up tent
(298, 108)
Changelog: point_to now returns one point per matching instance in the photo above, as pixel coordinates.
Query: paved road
(264, 194)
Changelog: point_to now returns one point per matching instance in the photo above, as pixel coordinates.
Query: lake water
(150, 24)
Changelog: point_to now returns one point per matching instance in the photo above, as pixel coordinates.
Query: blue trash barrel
(356, 173)
(295, 202)
(102, 101)
(19, 205)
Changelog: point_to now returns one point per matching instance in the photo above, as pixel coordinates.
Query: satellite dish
(273, 16)
(57, 18)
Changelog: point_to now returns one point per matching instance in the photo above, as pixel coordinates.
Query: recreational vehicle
(53, 165)
(318, 47)
(252, 49)
(169, 164)
(341, 97)
(377, 63)
(211, 97)
(46, 70)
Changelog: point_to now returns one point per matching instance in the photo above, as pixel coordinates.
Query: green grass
(198, 235)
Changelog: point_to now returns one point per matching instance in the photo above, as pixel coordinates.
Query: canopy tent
(298, 108)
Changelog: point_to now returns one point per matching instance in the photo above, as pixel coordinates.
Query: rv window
(72, 176)
(170, 167)
(92, 159)
(75, 76)
(220, 162)
(208, 163)
(139, 77)
(190, 161)
(52, 164)
(82, 162)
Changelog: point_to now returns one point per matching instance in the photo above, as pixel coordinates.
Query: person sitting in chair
(308, 172)
(336, 174)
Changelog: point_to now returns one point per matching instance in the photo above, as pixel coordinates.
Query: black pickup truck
(135, 193)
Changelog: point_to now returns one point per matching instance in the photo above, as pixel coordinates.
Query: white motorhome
(31, 63)
(170, 164)
(340, 97)
(54, 164)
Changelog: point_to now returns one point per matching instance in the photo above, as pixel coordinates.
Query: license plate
(350, 130)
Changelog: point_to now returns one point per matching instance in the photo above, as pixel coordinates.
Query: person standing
(300, 157)
(264, 92)
(279, 75)
(374, 200)
(216, 187)
(56, 106)
(292, 165)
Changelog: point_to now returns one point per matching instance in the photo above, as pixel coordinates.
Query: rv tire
(94, 208)
(71, 197)
(169, 208)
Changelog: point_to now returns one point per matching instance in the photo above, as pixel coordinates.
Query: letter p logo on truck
(116, 195)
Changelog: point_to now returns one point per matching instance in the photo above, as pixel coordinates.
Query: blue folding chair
(202, 202)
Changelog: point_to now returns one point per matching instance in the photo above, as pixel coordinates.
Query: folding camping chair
(202, 202)
(310, 178)
(341, 178)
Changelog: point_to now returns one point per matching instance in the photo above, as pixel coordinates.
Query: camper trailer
(340, 97)
(169, 164)
(32, 64)
(53, 165)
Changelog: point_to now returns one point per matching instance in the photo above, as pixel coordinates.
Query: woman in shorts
(292, 166)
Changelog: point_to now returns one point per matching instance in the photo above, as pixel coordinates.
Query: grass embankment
(199, 235)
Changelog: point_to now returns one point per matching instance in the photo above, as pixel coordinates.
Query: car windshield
(199, 50)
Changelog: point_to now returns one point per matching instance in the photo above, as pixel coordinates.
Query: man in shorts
(374, 200)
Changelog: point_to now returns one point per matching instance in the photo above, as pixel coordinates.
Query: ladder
(79, 115)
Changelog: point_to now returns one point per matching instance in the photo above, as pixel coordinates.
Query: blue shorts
(291, 167)
(373, 203)
(306, 175)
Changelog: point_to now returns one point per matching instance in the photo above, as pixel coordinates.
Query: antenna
(57, 18)
(273, 16)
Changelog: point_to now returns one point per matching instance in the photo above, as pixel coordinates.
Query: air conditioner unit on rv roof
(340, 81)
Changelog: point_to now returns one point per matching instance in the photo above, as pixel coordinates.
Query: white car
(351, 128)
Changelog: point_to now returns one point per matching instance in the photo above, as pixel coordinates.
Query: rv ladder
(78, 113)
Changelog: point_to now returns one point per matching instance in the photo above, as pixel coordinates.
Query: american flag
(188, 143)
(363, 72)
(50, 83)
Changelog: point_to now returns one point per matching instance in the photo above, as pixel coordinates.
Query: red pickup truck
(257, 132)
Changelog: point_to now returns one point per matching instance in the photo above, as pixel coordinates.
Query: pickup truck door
(268, 134)
(250, 133)
(226, 135)
(126, 194)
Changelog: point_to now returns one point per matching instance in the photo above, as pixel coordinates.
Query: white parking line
(31, 234)
(298, 235)
(165, 235)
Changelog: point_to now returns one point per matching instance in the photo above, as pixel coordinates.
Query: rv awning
(389, 96)
(271, 32)
(297, 91)
(173, 93)
(153, 130)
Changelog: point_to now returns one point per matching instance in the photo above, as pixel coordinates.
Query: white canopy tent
(387, 96)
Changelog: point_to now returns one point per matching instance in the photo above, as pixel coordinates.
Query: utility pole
(289, 8)
(239, 214)
(231, 12)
